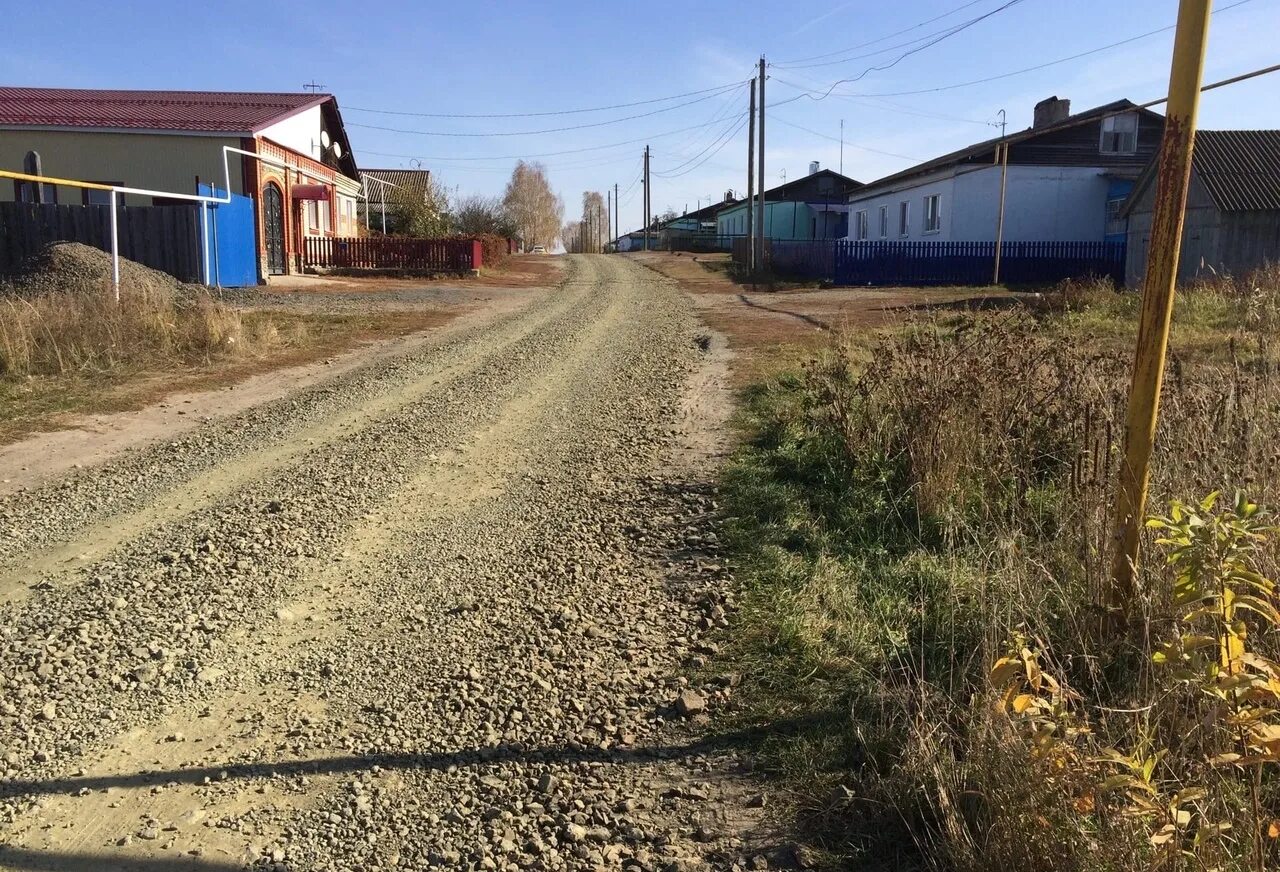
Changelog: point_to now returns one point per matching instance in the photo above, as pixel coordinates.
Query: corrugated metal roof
(1240, 169)
(414, 180)
(984, 150)
(192, 111)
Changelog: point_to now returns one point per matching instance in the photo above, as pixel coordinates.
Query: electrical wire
(490, 134)
(846, 142)
(548, 153)
(889, 107)
(725, 139)
(540, 114)
(921, 24)
(942, 34)
(1031, 69)
(893, 63)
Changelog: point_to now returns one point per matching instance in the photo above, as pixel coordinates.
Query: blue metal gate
(233, 250)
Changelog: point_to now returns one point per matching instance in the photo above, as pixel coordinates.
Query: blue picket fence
(846, 262)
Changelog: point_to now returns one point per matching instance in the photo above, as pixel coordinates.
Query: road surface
(446, 609)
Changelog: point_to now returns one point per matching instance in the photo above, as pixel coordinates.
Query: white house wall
(299, 132)
(1042, 204)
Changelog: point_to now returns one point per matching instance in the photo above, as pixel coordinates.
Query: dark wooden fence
(162, 237)
(697, 242)
(845, 262)
(442, 255)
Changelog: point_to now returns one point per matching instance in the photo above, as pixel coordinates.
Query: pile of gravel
(72, 267)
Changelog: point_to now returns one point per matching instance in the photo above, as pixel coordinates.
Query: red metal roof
(193, 111)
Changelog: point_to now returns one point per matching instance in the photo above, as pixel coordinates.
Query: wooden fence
(846, 262)
(396, 253)
(162, 237)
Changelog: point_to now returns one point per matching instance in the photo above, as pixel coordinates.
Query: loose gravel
(465, 629)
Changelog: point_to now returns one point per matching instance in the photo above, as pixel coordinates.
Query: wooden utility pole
(616, 210)
(1173, 178)
(1002, 155)
(751, 181)
(761, 230)
(646, 198)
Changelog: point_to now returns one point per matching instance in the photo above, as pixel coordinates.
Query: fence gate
(233, 249)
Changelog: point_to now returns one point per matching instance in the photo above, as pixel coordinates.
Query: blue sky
(488, 57)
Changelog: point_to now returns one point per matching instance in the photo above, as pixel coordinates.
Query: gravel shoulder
(452, 608)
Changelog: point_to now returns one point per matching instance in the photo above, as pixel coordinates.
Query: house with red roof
(300, 173)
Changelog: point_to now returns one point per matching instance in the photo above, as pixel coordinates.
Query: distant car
(538, 249)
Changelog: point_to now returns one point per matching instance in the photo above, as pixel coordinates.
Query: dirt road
(445, 609)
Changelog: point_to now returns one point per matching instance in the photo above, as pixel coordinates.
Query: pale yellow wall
(139, 160)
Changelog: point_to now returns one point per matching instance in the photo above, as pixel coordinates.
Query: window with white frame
(1116, 223)
(904, 219)
(862, 224)
(1120, 134)
(933, 213)
(884, 222)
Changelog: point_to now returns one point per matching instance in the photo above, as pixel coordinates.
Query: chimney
(813, 167)
(728, 196)
(1051, 111)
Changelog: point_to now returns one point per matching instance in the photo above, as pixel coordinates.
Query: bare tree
(532, 206)
(596, 218)
(571, 236)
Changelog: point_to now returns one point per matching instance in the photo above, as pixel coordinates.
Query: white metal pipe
(204, 237)
(115, 246)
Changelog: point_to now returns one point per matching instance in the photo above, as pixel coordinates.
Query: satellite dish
(324, 138)
(337, 149)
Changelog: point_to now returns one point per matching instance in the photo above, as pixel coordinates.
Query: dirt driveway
(764, 325)
(443, 608)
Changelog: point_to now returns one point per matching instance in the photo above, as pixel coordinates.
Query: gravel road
(448, 610)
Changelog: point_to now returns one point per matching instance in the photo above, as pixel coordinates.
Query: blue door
(233, 249)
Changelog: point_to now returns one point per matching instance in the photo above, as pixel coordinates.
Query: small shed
(1233, 207)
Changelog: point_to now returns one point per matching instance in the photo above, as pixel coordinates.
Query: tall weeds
(902, 521)
(64, 332)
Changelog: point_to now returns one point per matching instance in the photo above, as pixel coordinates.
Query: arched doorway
(273, 228)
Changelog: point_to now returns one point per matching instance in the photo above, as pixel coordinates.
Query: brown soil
(520, 271)
(769, 328)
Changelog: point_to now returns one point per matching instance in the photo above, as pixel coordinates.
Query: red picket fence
(392, 252)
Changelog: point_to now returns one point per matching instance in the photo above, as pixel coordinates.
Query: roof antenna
(313, 87)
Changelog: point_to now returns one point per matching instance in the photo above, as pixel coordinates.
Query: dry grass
(65, 353)
(901, 518)
(64, 332)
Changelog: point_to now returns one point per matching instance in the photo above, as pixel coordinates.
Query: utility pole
(1173, 178)
(646, 198)
(751, 183)
(616, 209)
(842, 146)
(761, 230)
(1002, 155)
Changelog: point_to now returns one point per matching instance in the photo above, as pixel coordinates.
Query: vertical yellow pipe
(1172, 180)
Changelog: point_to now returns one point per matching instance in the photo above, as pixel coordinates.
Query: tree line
(528, 210)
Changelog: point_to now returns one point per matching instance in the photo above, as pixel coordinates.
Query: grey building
(1233, 207)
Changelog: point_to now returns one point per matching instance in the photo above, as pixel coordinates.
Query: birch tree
(534, 209)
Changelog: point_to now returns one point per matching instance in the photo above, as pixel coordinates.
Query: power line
(889, 107)
(846, 142)
(1020, 72)
(943, 33)
(541, 114)
(921, 24)
(546, 129)
(724, 140)
(549, 153)
(893, 63)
